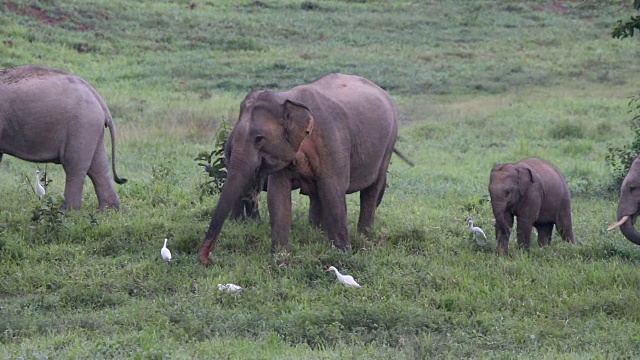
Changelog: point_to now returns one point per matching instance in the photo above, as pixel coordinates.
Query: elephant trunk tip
(205, 250)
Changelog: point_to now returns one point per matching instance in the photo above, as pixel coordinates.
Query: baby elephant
(50, 116)
(537, 193)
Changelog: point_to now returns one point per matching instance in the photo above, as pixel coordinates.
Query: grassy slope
(477, 82)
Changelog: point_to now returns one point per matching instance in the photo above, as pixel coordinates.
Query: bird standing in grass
(477, 232)
(166, 254)
(39, 188)
(345, 279)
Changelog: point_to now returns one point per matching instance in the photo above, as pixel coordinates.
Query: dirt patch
(35, 13)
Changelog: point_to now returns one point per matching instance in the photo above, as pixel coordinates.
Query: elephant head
(264, 140)
(508, 185)
(629, 204)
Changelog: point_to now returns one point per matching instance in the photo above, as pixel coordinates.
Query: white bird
(39, 188)
(166, 254)
(229, 287)
(476, 231)
(345, 279)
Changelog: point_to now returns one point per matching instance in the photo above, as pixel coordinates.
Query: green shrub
(213, 164)
(621, 157)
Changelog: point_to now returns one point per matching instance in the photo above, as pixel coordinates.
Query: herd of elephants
(328, 138)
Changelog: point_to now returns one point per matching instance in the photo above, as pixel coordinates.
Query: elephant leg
(544, 233)
(524, 233)
(334, 215)
(279, 204)
(564, 224)
(370, 198)
(73, 187)
(315, 211)
(237, 210)
(101, 179)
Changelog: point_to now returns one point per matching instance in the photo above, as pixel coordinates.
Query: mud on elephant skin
(50, 116)
(536, 193)
(629, 203)
(332, 137)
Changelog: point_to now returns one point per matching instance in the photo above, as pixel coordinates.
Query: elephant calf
(48, 115)
(534, 191)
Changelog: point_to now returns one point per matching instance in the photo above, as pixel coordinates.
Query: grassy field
(476, 83)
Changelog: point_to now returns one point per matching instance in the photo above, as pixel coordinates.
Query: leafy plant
(48, 215)
(621, 157)
(626, 29)
(213, 164)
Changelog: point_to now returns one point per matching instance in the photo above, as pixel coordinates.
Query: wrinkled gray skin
(537, 194)
(331, 137)
(629, 203)
(50, 116)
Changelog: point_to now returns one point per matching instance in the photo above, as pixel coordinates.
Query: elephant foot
(342, 247)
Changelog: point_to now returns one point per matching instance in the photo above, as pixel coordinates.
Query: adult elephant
(331, 137)
(48, 115)
(534, 191)
(629, 203)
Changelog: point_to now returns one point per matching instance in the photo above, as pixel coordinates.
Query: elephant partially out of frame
(534, 191)
(331, 137)
(50, 116)
(629, 203)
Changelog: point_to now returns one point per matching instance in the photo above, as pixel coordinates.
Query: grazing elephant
(534, 191)
(331, 137)
(48, 115)
(629, 204)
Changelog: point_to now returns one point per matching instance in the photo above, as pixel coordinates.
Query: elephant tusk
(620, 222)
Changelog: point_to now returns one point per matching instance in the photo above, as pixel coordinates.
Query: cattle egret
(229, 287)
(39, 188)
(477, 232)
(166, 254)
(345, 279)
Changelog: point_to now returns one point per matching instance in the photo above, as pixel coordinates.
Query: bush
(213, 164)
(620, 158)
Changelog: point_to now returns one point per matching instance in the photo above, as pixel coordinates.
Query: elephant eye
(259, 140)
(633, 188)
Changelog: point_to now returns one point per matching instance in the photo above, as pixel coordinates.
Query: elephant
(629, 203)
(331, 137)
(534, 191)
(50, 116)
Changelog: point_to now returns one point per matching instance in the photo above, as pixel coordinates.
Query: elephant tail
(108, 123)
(403, 156)
(112, 131)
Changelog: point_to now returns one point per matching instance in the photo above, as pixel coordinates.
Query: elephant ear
(297, 122)
(525, 180)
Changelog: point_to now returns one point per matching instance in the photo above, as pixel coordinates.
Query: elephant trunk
(628, 229)
(502, 228)
(234, 187)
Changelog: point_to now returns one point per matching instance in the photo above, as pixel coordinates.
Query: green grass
(476, 83)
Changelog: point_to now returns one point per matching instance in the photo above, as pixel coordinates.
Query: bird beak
(326, 270)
